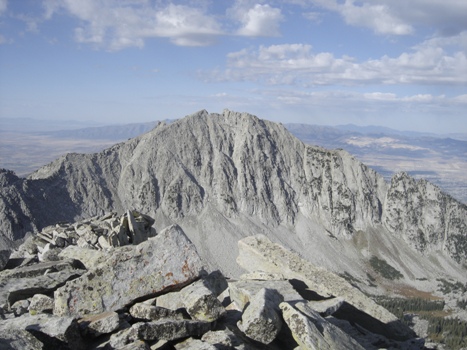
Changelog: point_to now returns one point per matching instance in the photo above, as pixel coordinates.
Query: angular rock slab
(40, 303)
(312, 332)
(145, 311)
(96, 325)
(163, 262)
(259, 253)
(261, 320)
(54, 332)
(242, 291)
(19, 340)
(169, 329)
(200, 303)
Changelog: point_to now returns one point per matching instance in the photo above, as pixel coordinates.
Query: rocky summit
(230, 193)
(157, 294)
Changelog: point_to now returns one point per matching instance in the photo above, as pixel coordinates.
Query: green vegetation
(449, 331)
(447, 287)
(384, 269)
(462, 304)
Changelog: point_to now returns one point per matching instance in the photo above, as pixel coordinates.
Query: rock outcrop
(169, 301)
(225, 176)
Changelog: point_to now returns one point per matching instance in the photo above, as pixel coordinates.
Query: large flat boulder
(260, 253)
(25, 282)
(54, 332)
(312, 332)
(162, 263)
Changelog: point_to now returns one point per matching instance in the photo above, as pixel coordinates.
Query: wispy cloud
(398, 17)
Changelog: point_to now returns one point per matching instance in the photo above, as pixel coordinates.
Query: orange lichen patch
(410, 292)
(186, 268)
(169, 274)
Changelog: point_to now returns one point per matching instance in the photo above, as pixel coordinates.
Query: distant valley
(29, 144)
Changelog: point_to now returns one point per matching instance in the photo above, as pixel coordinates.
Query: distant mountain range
(28, 144)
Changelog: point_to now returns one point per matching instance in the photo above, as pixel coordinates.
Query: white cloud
(261, 20)
(399, 17)
(297, 64)
(117, 25)
(3, 6)
(379, 17)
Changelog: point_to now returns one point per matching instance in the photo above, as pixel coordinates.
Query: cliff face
(243, 167)
(427, 218)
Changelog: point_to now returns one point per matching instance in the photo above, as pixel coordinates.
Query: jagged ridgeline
(226, 176)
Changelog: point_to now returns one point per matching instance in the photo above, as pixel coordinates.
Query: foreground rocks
(157, 295)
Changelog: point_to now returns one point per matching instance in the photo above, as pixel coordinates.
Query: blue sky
(395, 63)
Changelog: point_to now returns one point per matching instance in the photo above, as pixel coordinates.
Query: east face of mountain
(225, 176)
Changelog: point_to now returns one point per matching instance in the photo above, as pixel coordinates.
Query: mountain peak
(229, 175)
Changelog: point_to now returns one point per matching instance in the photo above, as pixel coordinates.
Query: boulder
(194, 344)
(96, 325)
(4, 256)
(261, 320)
(54, 332)
(200, 303)
(143, 311)
(41, 303)
(170, 329)
(20, 307)
(136, 345)
(242, 291)
(171, 301)
(23, 282)
(19, 339)
(328, 306)
(157, 265)
(90, 258)
(222, 339)
(259, 253)
(313, 332)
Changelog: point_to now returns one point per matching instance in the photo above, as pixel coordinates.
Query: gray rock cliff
(225, 176)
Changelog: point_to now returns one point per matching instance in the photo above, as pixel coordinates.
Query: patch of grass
(384, 269)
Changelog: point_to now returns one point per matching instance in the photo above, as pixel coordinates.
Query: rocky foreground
(111, 282)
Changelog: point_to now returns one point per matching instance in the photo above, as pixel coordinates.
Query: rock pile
(158, 295)
(97, 233)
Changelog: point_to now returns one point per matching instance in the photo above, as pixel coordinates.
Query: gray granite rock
(148, 312)
(159, 264)
(258, 252)
(243, 290)
(261, 320)
(170, 329)
(96, 325)
(313, 332)
(53, 331)
(200, 303)
(41, 303)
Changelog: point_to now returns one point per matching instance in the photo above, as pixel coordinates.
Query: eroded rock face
(427, 218)
(156, 295)
(259, 252)
(153, 266)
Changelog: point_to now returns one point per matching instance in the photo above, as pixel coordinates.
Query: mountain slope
(226, 176)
